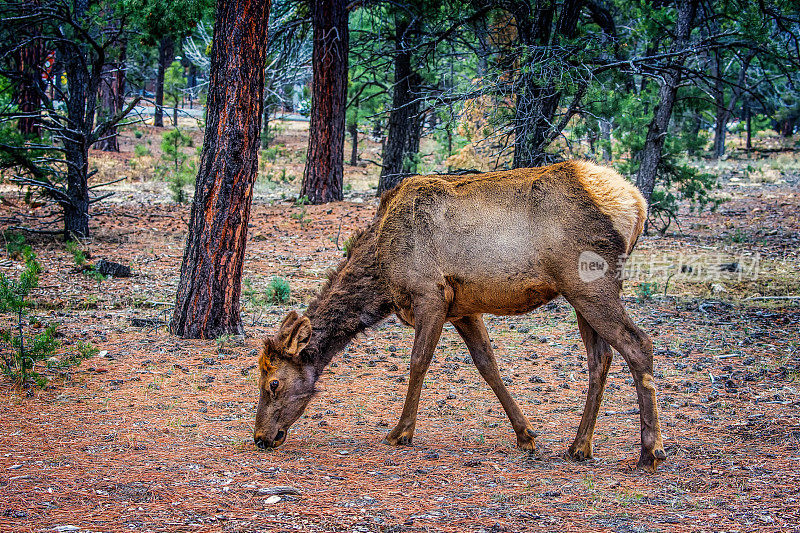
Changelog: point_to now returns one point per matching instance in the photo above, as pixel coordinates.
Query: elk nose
(262, 442)
(279, 438)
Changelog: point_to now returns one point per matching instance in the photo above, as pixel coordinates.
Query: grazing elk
(450, 248)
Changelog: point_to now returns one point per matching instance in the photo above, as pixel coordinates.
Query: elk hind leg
(607, 316)
(599, 358)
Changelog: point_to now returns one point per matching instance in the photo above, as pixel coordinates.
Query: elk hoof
(525, 440)
(649, 460)
(578, 455)
(402, 440)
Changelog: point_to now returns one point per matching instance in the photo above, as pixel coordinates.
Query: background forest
(649, 87)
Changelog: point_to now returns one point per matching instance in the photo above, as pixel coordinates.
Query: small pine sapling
(19, 363)
(174, 86)
(179, 172)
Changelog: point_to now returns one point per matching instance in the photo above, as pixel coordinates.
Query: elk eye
(273, 385)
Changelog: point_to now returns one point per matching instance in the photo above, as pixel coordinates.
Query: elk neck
(354, 298)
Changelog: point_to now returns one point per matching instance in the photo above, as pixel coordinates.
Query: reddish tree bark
(322, 179)
(31, 60)
(786, 126)
(108, 107)
(207, 302)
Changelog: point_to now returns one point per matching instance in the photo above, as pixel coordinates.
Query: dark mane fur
(333, 273)
(354, 297)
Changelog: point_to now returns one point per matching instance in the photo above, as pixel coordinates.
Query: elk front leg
(428, 322)
(599, 357)
(473, 331)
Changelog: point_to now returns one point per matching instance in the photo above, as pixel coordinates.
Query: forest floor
(154, 433)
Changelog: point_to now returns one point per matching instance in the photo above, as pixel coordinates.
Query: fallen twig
(773, 298)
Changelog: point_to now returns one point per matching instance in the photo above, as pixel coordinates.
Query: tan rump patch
(616, 198)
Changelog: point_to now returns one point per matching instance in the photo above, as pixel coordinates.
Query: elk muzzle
(263, 442)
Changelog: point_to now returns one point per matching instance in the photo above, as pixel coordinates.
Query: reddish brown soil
(155, 433)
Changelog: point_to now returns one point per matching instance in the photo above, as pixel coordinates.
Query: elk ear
(282, 338)
(265, 357)
(298, 338)
(287, 322)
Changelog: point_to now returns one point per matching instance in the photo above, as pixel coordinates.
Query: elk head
(286, 382)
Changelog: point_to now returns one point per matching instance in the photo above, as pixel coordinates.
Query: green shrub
(271, 154)
(141, 150)
(96, 275)
(646, 290)
(251, 295)
(14, 244)
(174, 85)
(178, 181)
(84, 350)
(171, 143)
(278, 290)
(348, 244)
(81, 259)
(301, 217)
(78, 255)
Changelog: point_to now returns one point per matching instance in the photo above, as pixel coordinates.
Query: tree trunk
(270, 103)
(353, 128)
(207, 301)
(31, 61)
(109, 90)
(76, 211)
(121, 77)
(81, 105)
(786, 126)
(724, 112)
(720, 132)
(323, 176)
(535, 111)
(192, 84)
(605, 135)
(166, 50)
(694, 133)
(721, 115)
(265, 136)
(657, 131)
(482, 35)
(748, 118)
(112, 97)
(402, 141)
